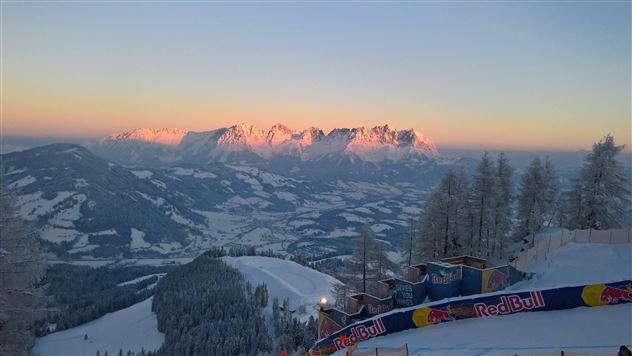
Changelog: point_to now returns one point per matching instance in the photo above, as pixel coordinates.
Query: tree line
(485, 214)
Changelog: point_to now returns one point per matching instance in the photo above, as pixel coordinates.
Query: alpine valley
(172, 192)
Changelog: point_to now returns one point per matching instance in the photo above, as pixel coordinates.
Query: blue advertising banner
(408, 294)
(477, 307)
(472, 280)
(444, 280)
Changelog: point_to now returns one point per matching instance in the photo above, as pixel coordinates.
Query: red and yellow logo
(600, 294)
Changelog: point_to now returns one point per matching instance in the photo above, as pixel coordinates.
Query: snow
(363, 210)
(22, 182)
(191, 172)
(577, 264)
(354, 218)
(165, 248)
(158, 183)
(138, 241)
(15, 171)
(380, 227)
(597, 330)
(348, 232)
(67, 217)
(58, 235)
(104, 232)
(81, 183)
(165, 136)
(140, 279)
(302, 285)
(254, 183)
(33, 205)
(301, 222)
(143, 174)
(157, 201)
(286, 196)
(132, 328)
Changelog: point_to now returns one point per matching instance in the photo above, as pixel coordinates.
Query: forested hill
(206, 307)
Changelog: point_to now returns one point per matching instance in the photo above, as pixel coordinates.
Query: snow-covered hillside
(286, 279)
(134, 328)
(594, 331)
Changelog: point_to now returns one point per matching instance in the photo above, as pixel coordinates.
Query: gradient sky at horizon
(531, 75)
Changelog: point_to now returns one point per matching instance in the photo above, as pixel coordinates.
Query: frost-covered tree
(482, 203)
(537, 198)
(381, 262)
(599, 197)
(502, 205)
(261, 295)
(361, 265)
(276, 313)
(410, 243)
(445, 217)
(21, 270)
(551, 192)
(340, 293)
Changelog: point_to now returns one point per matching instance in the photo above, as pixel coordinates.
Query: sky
(508, 75)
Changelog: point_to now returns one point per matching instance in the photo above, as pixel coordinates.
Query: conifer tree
(599, 198)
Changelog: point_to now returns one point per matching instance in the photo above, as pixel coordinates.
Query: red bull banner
(483, 306)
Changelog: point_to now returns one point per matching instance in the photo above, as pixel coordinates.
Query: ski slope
(133, 328)
(286, 279)
(590, 331)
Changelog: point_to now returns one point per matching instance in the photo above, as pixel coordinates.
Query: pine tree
(599, 198)
(482, 203)
(276, 315)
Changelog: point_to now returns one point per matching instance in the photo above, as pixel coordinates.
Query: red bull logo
(510, 304)
(441, 278)
(611, 295)
(425, 316)
(600, 294)
(497, 281)
(359, 333)
(437, 315)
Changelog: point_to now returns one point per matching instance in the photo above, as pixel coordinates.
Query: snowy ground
(304, 286)
(132, 328)
(589, 331)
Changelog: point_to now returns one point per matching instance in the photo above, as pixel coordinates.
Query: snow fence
(562, 238)
(475, 307)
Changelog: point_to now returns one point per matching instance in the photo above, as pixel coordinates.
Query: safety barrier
(562, 238)
(447, 278)
(475, 307)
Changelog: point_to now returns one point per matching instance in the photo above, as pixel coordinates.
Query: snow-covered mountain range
(377, 144)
